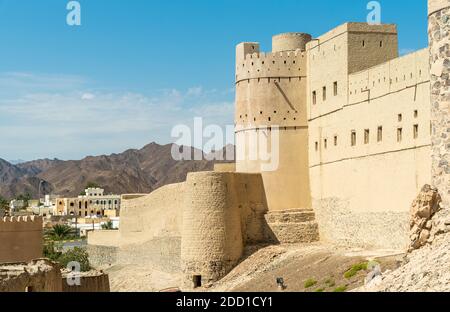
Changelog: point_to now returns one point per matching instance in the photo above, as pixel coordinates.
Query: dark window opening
(366, 136)
(197, 281)
(353, 138)
(416, 131)
(29, 289)
(399, 134)
(380, 134)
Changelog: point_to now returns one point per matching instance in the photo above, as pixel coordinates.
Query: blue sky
(136, 68)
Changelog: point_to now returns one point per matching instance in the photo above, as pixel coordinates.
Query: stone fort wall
(21, 239)
(369, 140)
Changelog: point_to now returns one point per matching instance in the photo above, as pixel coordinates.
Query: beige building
(93, 203)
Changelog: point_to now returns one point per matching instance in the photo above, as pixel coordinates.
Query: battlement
(20, 219)
(19, 224)
(356, 28)
(271, 65)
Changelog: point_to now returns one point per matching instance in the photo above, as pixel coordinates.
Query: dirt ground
(304, 268)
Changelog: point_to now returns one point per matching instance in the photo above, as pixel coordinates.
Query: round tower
(271, 114)
(212, 242)
(290, 42)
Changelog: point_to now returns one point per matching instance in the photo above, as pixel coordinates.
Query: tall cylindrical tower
(290, 42)
(212, 242)
(271, 115)
(439, 37)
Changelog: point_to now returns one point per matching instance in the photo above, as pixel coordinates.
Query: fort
(360, 134)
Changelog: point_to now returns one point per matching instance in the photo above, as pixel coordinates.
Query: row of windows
(324, 93)
(384, 79)
(97, 202)
(269, 118)
(353, 136)
(363, 43)
(98, 213)
(273, 62)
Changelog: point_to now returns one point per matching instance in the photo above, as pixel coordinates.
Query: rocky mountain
(133, 171)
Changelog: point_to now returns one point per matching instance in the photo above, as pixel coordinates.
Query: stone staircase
(293, 226)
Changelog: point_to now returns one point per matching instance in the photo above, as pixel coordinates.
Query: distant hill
(133, 171)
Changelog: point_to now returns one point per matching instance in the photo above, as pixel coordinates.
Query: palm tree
(59, 232)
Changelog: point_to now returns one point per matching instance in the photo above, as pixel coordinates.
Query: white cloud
(87, 96)
(72, 122)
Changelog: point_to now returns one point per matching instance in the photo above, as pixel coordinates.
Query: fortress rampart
(356, 131)
(369, 140)
(21, 239)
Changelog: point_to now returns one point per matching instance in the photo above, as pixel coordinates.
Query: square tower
(347, 49)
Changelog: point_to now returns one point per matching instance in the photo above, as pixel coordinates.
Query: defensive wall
(21, 239)
(370, 158)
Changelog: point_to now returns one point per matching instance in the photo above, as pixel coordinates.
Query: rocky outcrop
(424, 207)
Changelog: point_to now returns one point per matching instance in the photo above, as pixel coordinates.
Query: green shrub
(355, 269)
(52, 251)
(341, 289)
(320, 289)
(79, 255)
(310, 283)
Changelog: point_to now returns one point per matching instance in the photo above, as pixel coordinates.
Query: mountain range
(133, 171)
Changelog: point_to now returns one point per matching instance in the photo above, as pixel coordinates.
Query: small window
(364, 43)
(317, 146)
(335, 88)
(353, 138)
(416, 131)
(335, 140)
(400, 117)
(325, 143)
(197, 279)
(381, 44)
(324, 93)
(314, 97)
(399, 134)
(366, 136)
(416, 114)
(380, 134)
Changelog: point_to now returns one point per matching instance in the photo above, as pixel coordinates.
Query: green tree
(4, 205)
(92, 185)
(108, 225)
(59, 232)
(77, 254)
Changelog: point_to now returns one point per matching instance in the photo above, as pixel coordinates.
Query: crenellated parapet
(260, 65)
(19, 224)
(21, 239)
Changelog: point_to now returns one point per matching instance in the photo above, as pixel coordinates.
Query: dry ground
(322, 267)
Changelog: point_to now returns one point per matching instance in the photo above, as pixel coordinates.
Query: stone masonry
(439, 28)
